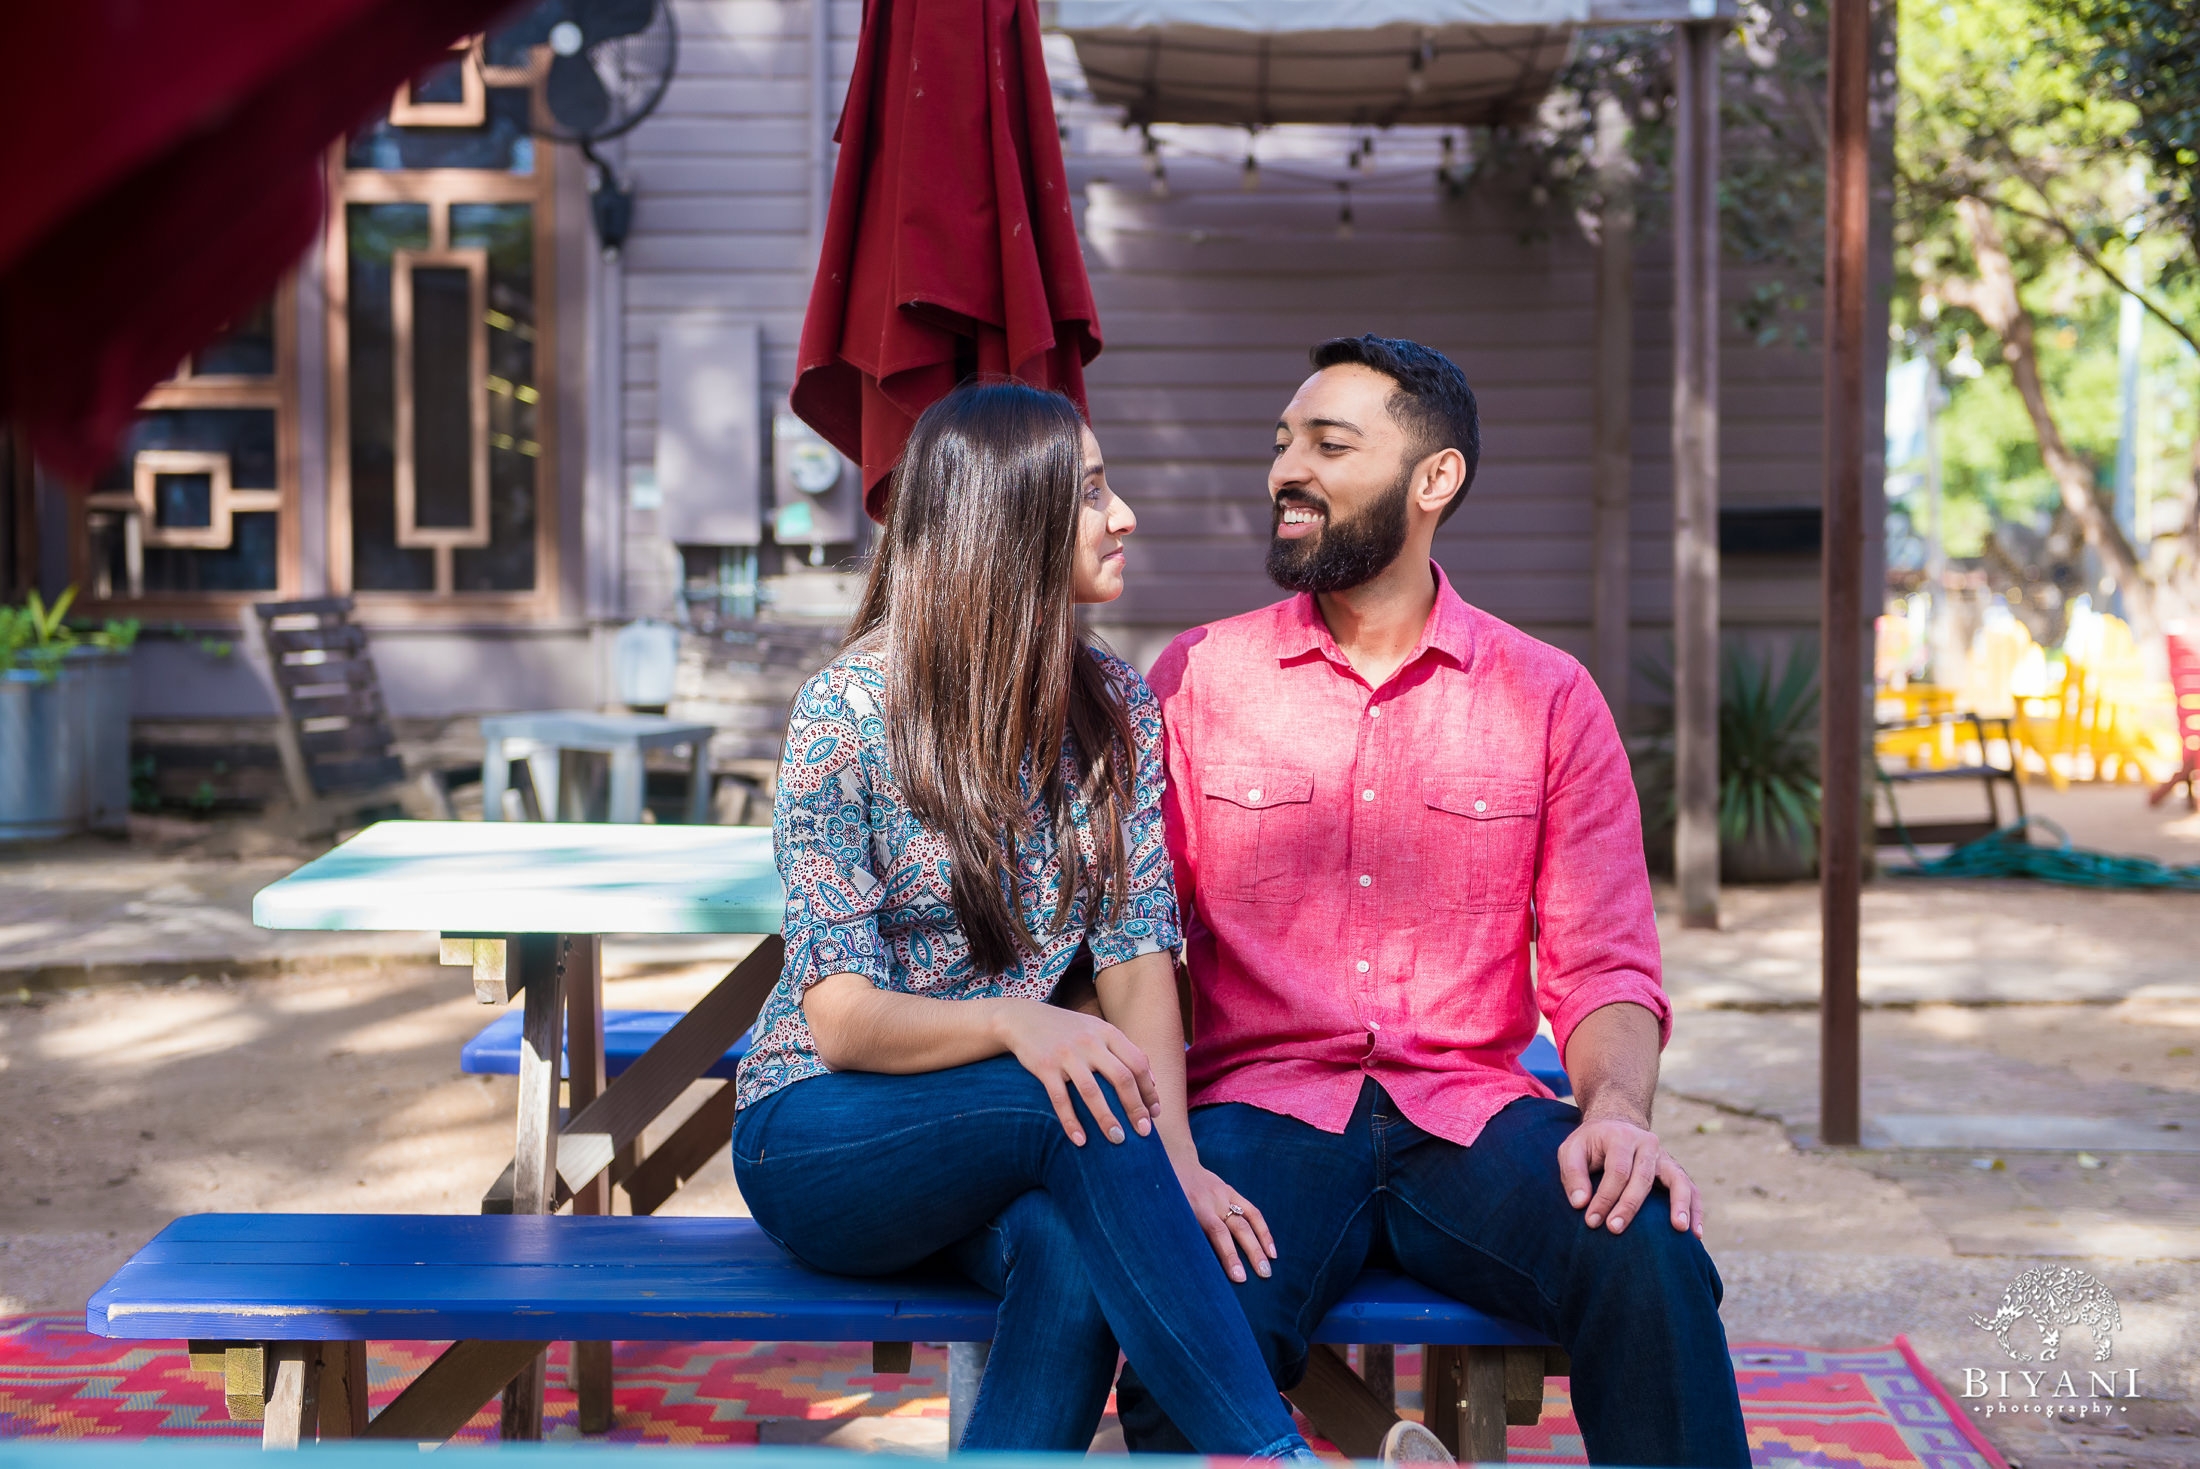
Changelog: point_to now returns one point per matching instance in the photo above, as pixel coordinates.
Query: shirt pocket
(1479, 840)
(1257, 822)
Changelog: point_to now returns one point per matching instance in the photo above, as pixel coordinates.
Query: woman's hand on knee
(1229, 1218)
(1069, 1050)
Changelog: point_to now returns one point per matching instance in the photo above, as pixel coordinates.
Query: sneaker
(1413, 1443)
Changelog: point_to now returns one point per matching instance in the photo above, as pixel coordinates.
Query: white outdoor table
(526, 905)
(544, 737)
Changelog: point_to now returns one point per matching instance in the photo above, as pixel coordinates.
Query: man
(1379, 799)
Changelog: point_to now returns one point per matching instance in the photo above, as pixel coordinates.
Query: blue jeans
(1489, 1225)
(864, 1174)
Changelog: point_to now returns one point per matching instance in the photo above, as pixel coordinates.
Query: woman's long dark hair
(972, 586)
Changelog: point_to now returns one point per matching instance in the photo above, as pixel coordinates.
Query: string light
(1344, 210)
(1160, 180)
(1249, 175)
(1416, 71)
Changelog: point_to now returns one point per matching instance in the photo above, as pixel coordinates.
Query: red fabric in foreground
(1873, 1408)
(163, 167)
(950, 247)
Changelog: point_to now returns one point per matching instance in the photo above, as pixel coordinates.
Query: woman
(971, 795)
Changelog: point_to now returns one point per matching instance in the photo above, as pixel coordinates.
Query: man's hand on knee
(1631, 1160)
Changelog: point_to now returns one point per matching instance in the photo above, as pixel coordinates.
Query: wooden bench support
(444, 1399)
(681, 1156)
(1341, 1405)
(293, 1407)
(1470, 1394)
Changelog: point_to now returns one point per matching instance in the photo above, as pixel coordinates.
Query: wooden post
(1840, 853)
(541, 961)
(1610, 599)
(1696, 470)
(590, 1373)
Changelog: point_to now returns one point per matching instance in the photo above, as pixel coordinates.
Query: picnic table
(525, 906)
(542, 740)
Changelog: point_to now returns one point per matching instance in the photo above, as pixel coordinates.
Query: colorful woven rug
(1875, 1409)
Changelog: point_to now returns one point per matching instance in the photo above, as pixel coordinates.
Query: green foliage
(37, 637)
(1768, 745)
(1772, 70)
(34, 635)
(2147, 54)
(2067, 116)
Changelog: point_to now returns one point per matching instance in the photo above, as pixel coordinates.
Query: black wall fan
(610, 62)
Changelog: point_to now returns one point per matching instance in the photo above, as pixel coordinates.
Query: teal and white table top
(535, 877)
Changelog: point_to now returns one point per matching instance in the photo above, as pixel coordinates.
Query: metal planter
(42, 754)
(65, 747)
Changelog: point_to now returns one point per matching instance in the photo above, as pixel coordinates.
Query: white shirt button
(1478, 805)
(1374, 1025)
(1361, 966)
(1365, 879)
(1374, 713)
(1367, 795)
(1254, 795)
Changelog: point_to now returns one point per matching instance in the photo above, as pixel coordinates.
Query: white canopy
(1254, 63)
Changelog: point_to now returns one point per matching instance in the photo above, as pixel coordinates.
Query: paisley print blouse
(868, 887)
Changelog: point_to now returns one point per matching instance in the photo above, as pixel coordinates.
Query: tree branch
(2048, 215)
(1993, 298)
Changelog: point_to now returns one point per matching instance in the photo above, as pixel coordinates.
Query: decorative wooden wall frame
(439, 189)
(276, 393)
(471, 109)
(475, 262)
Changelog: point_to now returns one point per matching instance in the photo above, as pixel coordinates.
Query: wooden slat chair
(338, 751)
(2184, 683)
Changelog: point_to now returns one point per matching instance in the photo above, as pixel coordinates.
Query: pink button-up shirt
(1361, 871)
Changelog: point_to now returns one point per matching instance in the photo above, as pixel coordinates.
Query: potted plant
(1768, 764)
(64, 721)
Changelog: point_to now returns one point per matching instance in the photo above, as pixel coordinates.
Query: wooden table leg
(626, 784)
(1482, 1405)
(541, 959)
(343, 1389)
(1379, 1370)
(1440, 1393)
(590, 1375)
(496, 776)
(699, 791)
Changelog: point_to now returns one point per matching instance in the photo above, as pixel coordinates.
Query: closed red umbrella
(162, 168)
(950, 247)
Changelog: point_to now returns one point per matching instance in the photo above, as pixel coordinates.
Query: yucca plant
(1768, 746)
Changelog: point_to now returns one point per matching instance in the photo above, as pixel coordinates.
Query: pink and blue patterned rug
(1873, 1409)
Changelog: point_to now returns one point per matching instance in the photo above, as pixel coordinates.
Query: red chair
(2184, 682)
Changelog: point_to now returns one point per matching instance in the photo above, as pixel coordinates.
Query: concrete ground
(2029, 1077)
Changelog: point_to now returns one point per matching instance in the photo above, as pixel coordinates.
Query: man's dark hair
(1433, 402)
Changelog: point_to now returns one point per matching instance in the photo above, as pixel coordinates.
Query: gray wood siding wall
(1210, 297)
(723, 189)
(1208, 301)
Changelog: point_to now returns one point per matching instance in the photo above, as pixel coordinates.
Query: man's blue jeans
(1490, 1225)
(863, 1174)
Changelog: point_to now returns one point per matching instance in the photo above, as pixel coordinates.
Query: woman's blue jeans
(864, 1174)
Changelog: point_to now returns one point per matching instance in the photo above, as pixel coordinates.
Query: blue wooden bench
(283, 1305)
(628, 1033)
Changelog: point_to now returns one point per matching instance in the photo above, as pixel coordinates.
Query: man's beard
(1342, 554)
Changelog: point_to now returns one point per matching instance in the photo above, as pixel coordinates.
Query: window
(199, 508)
(441, 479)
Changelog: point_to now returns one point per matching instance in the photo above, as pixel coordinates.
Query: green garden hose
(2005, 853)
